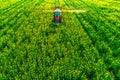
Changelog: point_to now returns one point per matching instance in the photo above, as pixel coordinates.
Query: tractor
(57, 18)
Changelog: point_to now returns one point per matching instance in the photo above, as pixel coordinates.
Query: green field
(86, 46)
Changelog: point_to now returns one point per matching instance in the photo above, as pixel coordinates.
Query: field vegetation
(86, 46)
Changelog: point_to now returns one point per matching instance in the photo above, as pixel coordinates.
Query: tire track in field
(5, 18)
(113, 31)
(104, 9)
(11, 18)
(101, 18)
(15, 21)
(94, 37)
(34, 33)
(109, 22)
(19, 8)
(9, 8)
(91, 36)
(10, 25)
(15, 6)
(11, 36)
(13, 11)
(86, 31)
(100, 31)
(15, 27)
(95, 28)
(77, 18)
(17, 14)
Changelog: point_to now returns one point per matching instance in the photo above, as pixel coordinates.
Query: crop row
(94, 30)
(32, 47)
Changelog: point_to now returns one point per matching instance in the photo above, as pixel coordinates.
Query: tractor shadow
(51, 30)
(53, 25)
